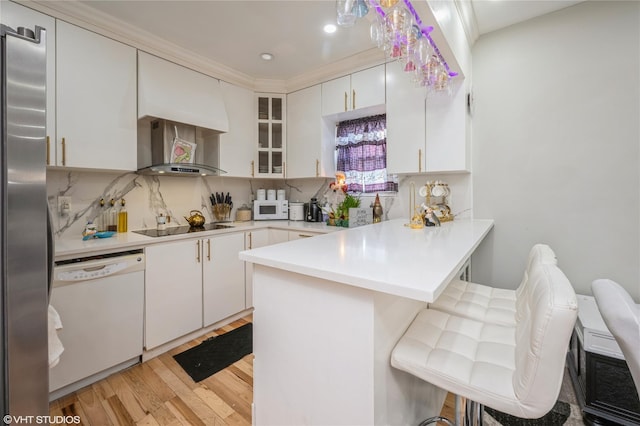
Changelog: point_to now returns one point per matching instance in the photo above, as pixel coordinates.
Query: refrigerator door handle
(50, 253)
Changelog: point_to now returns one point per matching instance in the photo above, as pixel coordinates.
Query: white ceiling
(493, 15)
(235, 32)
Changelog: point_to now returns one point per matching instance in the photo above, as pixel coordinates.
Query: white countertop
(388, 257)
(69, 248)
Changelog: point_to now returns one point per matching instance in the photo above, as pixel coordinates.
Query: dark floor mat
(556, 417)
(216, 353)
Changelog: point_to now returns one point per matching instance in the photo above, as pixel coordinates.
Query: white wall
(556, 144)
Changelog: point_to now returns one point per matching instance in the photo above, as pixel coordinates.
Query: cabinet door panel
(446, 140)
(336, 95)
(304, 133)
(253, 239)
(296, 235)
(223, 287)
(237, 148)
(368, 88)
(271, 146)
(171, 91)
(173, 291)
(95, 100)
(405, 122)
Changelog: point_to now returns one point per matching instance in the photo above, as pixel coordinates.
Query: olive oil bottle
(122, 218)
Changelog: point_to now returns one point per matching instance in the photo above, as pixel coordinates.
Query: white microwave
(270, 210)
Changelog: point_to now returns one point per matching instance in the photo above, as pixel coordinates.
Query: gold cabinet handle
(345, 101)
(198, 251)
(317, 167)
(208, 249)
(64, 152)
(250, 240)
(48, 150)
(353, 99)
(252, 168)
(419, 160)
(284, 170)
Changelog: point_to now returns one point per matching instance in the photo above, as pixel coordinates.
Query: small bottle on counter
(122, 218)
(377, 210)
(113, 217)
(102, 221)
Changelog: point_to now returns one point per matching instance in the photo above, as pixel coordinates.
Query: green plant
(349, 202)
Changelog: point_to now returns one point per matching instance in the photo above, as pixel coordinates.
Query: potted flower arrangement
(340, 202)
(342, 211)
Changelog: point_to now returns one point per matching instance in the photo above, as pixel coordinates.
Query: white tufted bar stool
(622, 317)
(514, 369)
(489, 304)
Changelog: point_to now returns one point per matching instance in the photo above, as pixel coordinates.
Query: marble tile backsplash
(148, 196)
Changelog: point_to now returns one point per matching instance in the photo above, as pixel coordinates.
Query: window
(361, 151)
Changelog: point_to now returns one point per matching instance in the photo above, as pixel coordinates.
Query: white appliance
(100, 300)
(296, 211)
(270, 210)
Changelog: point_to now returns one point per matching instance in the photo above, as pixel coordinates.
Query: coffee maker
(312, 211)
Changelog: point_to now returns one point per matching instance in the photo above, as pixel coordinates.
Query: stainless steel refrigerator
(26, 244)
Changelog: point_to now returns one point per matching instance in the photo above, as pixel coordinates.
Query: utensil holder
(222, 211)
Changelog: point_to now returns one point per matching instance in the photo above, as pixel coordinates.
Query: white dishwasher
(100, 300)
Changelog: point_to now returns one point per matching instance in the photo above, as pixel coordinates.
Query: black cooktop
(178, 230)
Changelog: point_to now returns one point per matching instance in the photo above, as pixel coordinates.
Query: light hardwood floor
(160, 392)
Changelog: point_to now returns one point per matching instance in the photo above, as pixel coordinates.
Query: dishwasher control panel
(90, 273)
(94, 268)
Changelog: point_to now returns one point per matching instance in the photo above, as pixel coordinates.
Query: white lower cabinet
(276, 236)
(223, 286)
(192, 284)
(254, 239)
(173, 291)
(296, 235)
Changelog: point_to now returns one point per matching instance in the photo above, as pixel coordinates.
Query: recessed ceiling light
(330, 28)
(266, 56)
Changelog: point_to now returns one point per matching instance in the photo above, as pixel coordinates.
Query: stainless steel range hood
(177, 149)
(194, 104)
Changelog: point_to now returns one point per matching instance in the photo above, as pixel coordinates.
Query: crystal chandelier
(399, 31)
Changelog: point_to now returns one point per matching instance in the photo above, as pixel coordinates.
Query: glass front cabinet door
(271, 136)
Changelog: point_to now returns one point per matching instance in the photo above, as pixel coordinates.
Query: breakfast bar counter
(330, 309)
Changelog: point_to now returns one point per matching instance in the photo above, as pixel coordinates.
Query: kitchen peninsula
(329, 310)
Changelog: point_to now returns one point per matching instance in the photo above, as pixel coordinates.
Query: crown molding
(80, 14)
(354, 63)
(468, 18)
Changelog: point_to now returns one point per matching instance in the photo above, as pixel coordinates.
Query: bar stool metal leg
(473, 413)
(436, 419)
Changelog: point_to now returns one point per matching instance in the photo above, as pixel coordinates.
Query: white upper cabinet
(405, 122)
(173, 92)
(336, 95)
(271, 140)
(95, 101)
(425, 132)
(447, 141)
(309, 152)
(14, 16)
(237, 149)
(359, 90)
